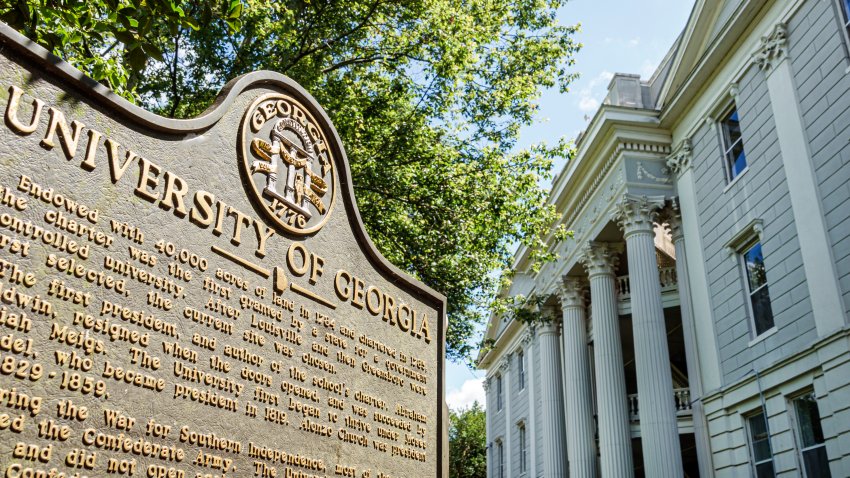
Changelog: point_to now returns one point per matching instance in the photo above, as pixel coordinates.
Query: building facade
(697, 322)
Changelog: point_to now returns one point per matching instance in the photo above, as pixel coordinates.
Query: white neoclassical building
(697, 323)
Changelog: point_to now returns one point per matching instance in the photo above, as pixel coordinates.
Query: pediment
(705, 23)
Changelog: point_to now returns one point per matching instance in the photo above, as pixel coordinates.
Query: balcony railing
(682, 397)
(667, 276)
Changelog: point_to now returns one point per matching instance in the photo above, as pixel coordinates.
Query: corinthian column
(580, 443)
(615, 444)
(662, 455)
(552, 401)
(673, 218)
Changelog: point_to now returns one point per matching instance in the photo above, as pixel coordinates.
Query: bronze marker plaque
(198, 298)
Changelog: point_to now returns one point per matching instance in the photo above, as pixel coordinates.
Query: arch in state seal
(288, 162)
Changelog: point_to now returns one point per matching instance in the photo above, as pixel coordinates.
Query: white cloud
(588, 104)
(634, 41)
(590, 96)
(471, 391)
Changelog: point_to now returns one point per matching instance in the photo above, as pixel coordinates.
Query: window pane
(733, 145)
(808, 417)
(737, 159)
(758, 428)
(765, 470)
(846, 5)
(762, 313)
(759, 438)
(733, 126)
(816, 463)
(755, 267)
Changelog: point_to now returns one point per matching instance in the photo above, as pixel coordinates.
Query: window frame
(726, 144)
(796, 420)
(523, 447)
(751, 441)
(742, 260)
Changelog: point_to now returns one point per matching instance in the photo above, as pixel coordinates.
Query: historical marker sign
(198, 298)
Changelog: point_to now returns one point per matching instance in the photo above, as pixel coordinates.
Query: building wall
(794, 360)
(771, 370)
(725, 209)
(819, 60)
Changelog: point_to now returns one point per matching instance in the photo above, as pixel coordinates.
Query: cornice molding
(623, 146)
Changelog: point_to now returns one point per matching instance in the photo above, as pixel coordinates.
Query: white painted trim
(737, 178)
(532, 410)
(509, 427)
(698, 280)
(759, 338)
(815, 246)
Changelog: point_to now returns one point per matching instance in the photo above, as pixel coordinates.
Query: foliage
(468, 443)
(428, 96)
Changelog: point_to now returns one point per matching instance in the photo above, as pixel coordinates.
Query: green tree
(428, 96)
(468, 443)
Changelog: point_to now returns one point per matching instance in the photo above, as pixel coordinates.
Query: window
(523, 449)
(760, 309)
(498, 392)
(733, 144)
(812, 443)
(500, 455)
(521, 363)
(760, 446)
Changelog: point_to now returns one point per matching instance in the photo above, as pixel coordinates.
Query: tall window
(500, 454)
(760, 446)
(523, 449)
(759, 296)
(733, 145)
(812, 443)
(498, 392)
(521, 364)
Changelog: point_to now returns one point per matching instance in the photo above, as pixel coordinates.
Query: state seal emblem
(289, 163)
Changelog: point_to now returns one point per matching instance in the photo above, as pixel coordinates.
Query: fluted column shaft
(615, 444)
(580, 443)
(659, 432)
(554, 433)
(674, 220)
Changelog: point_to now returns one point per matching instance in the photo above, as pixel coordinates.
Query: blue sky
(619, 36)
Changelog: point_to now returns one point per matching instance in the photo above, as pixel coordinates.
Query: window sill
(737, 178)
(763, 336)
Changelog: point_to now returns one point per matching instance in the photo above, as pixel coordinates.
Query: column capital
(572, 291)
(773, 48)
(505, 363)
(486, 384)
(680, 161)
(528, 336)
(672, 217)
(550, 327)
(601, 257)
(636, 214)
